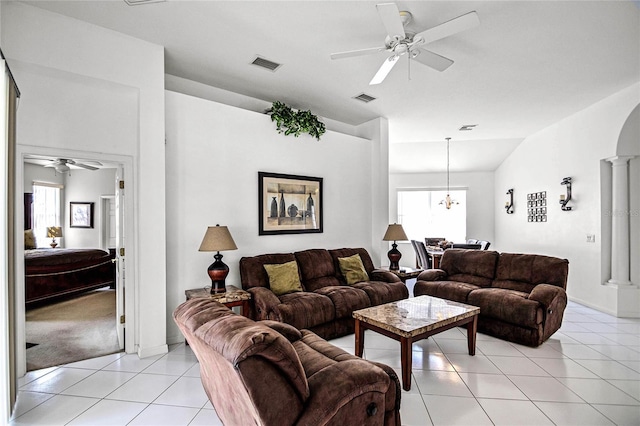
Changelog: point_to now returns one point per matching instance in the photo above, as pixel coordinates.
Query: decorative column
(620, 221)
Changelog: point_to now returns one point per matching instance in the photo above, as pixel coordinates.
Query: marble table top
(233, 294)
(416, 315)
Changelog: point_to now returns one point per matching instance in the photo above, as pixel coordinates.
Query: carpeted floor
(72, 330)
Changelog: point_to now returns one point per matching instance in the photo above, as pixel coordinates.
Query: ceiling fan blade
(85, 166)
(384, 69)
(430, 59)
(454, 26)
(390, 16)
(359, 52)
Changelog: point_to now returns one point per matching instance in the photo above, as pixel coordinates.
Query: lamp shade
(395, 233)
(217, 238)
(54, 231)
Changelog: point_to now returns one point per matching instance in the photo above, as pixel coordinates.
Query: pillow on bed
(29, 239)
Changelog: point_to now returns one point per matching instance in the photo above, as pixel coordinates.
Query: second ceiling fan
(398, 42)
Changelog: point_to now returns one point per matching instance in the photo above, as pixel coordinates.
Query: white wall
(214, 153)
(86, 186)
(573, 147)
(34, 172)
(87, 89)
(480, 202)
(80, 186)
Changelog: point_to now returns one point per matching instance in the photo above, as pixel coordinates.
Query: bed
(56, 272)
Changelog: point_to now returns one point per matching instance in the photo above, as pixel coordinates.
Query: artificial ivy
(292, 122)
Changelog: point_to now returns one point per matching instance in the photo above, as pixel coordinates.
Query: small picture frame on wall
(289, 204)
(80, 214)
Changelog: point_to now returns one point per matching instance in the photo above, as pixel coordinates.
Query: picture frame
(80, 214)
(289, 204)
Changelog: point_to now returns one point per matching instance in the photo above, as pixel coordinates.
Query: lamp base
(394, 256)
(218, 271)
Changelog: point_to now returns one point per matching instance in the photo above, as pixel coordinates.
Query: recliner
(270, 373)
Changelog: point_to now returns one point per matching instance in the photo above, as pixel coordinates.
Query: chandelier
(448, 201)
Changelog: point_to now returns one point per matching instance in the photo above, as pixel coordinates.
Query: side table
(234, 296)
(404, 273)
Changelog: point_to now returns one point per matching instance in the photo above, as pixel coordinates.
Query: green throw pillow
(284, 278)
(352, 269)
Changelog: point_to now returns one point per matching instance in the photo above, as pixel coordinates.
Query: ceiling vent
(364, 98)
(266, 64)
(467, 127)
(138, 2)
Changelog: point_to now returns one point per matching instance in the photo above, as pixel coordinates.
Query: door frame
(128, 166)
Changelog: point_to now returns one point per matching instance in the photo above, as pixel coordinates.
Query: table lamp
(53, 232)
(394, 233)
(217, 238)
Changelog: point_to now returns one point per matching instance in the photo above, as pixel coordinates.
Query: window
(422, 215)
(46, 209)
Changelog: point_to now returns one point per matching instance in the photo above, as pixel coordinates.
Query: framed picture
(289, 204)
(81, 215)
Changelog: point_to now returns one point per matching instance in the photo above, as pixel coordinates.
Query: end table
(404, 273)
(234, 296)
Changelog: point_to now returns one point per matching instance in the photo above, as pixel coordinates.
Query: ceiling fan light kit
(399, 43)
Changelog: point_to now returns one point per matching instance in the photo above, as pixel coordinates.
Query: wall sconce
(508, 206)
(565, 199)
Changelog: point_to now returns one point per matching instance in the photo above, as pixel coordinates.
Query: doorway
(119, 223)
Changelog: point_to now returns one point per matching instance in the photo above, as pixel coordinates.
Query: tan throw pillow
(284, 278)
(352, 269)
(29, 239)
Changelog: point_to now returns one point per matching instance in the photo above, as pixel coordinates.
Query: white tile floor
(586, 374)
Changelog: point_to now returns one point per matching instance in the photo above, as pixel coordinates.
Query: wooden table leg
(472, 327)
(406, 361)
(359, 332)
(245, 308)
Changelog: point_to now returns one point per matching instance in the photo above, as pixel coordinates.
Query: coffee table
(414, 319)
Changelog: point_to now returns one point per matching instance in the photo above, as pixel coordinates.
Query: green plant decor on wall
(292, 122)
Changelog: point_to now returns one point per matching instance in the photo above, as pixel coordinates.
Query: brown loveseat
(326, 303)
(269, 373)
(521, 296)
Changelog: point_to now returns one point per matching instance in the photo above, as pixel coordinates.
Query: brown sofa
(521, 297)
(269, 373)
(326, 303)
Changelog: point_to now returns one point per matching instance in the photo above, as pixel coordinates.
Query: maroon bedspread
(56, 272)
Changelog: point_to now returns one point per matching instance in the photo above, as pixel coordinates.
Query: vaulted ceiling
(527, 65)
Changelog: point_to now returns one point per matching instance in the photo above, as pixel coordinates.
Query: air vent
(138, 2)
(364, 98)
(467, 127)
(266, 64)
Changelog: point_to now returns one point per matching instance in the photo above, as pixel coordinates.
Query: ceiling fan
(62, 165)
(398, 42)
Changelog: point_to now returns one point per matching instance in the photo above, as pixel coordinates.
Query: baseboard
(592, 306)
(175, 338)
(156, 350)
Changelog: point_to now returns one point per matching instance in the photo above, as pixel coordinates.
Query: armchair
(270, 373)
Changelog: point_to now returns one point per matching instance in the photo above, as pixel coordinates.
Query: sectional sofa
(521, 297)
(329, 286)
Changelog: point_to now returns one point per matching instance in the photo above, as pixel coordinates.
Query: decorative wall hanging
(292, 122)
(289, 204)
(81, 215)
(508, 206)
(565, 199)
(537, 206)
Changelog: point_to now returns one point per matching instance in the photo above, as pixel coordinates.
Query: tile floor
(586, 374)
